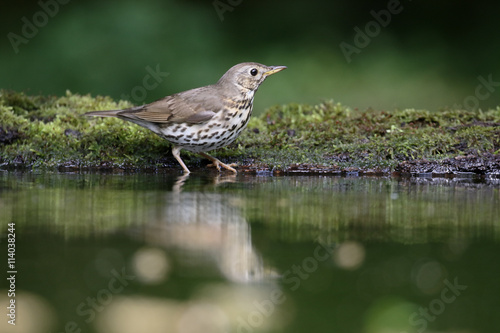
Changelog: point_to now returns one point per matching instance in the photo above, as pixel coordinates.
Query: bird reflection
(180, 182)
(198, 233)
(206, 229)
(217, 180)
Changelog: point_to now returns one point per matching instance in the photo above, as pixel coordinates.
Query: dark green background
(429, 56)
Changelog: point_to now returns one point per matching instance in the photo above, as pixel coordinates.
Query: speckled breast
(218, 132)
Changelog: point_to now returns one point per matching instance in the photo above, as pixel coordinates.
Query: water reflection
(163, 253)
(206, 228)
(200, 231)
(331, 208)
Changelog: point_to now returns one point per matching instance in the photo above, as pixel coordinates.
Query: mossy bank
(50, 132)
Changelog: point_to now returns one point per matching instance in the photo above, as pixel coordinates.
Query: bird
(205, 118)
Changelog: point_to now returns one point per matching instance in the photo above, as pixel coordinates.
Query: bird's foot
(216, 163)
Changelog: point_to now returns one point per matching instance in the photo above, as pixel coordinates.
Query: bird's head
(248, 75)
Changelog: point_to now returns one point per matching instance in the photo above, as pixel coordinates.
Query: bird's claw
(218, 164)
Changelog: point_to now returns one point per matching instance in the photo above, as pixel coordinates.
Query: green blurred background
(429, 55)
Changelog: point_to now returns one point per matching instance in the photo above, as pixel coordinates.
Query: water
(167, 253)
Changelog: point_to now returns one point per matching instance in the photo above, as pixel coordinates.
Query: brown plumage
(205, 118)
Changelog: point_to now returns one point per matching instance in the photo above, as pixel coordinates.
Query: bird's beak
(274, 69)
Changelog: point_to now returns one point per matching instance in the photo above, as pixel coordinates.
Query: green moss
(331, 133)
(51, 131)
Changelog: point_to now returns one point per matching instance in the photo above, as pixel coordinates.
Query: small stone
(8, 136)
(71, 132)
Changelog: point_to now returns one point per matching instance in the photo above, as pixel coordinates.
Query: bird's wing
(185, 107)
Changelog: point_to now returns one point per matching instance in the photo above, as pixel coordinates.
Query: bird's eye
(253, 71)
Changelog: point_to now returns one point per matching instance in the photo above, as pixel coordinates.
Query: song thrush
(205, 118)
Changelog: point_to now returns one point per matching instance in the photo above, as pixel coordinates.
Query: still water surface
(162, 253)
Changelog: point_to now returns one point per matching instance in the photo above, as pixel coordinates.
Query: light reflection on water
(168, 253)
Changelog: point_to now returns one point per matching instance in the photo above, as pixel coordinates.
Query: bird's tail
(110, 113)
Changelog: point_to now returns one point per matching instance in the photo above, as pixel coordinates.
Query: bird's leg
(176, 152)
(218, 164)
